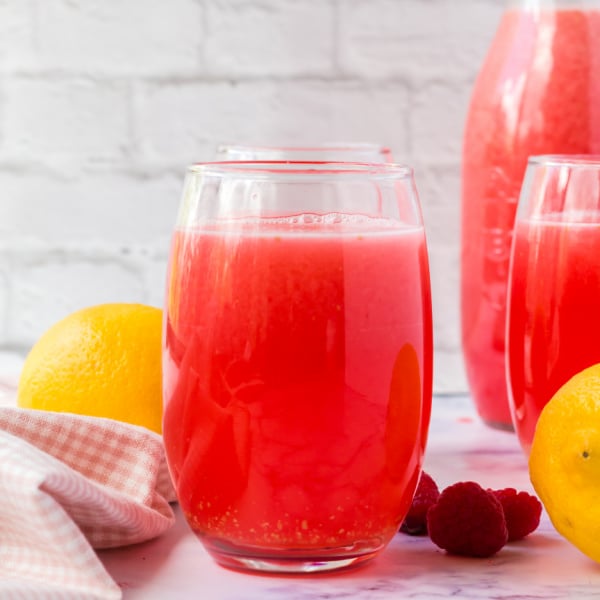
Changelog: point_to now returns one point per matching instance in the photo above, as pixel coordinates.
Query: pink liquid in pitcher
(298, 382)
(554, 312)
(538, 93)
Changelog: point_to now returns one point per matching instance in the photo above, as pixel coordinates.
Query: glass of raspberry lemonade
(297, 360)
(333, 152)
(553, 321)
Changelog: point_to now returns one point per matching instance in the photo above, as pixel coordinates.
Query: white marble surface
(542, 566)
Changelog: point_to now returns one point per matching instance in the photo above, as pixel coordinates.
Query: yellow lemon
(564, 464)
(103, 361)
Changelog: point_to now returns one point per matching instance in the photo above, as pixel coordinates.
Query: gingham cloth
(69, 484)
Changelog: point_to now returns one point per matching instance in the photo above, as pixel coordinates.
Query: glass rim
(573, 161)
(301, 169)
(316, 148)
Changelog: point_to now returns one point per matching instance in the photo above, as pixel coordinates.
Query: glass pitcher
(538, 92)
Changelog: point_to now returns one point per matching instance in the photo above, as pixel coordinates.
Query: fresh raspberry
(467, 520)
(426, 495)
(522, 512)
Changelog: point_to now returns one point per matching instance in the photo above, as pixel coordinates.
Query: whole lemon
(103, 361)
(564, 464)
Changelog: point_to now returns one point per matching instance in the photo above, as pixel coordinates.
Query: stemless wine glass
(297, 360)
(553, 323)
(338, 151)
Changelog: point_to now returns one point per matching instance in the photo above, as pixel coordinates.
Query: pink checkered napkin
(69, 484)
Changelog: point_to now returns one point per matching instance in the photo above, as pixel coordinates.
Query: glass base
(500, 425)
(288, 561)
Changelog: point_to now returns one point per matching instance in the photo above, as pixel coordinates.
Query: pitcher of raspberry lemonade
(297, 360)
(538, 92)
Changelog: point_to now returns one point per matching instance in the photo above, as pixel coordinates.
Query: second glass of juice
(336, 151)
(297, 360)
(553, 323)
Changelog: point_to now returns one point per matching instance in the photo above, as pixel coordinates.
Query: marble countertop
(544, 565)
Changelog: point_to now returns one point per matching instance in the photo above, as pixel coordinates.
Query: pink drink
(538, 93)
(554, 311)
(297, 382)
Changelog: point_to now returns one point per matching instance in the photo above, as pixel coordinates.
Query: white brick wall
(266, 38)
(65, 119)
(118, 38)
(104, 102)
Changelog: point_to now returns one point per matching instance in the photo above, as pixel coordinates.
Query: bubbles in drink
(308, 224)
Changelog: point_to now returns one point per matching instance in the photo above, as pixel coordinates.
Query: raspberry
(467, 520)
(415, 522)
(522, 512)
